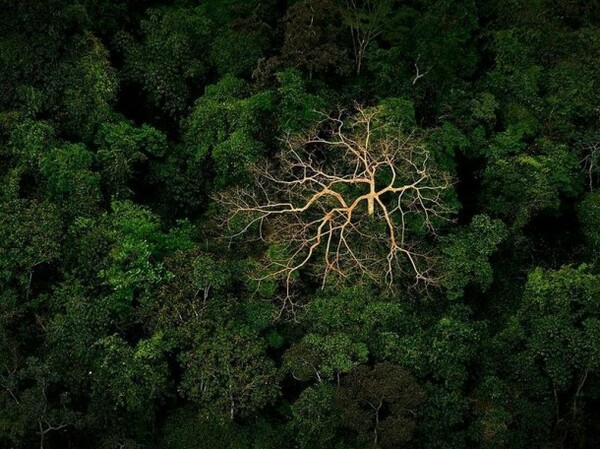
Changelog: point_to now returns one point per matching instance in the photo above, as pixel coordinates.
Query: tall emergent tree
(350, 195)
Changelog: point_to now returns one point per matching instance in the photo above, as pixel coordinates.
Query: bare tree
(419, 74)
(44, 425)
(344, 197)
(366, 19)
(590, 161)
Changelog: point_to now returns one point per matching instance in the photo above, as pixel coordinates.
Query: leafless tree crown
(342, 200)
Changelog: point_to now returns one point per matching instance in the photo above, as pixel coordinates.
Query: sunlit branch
(341, 199)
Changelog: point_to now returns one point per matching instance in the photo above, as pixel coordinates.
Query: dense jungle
(303, 224)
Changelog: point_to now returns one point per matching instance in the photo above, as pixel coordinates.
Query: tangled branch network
(343, 200)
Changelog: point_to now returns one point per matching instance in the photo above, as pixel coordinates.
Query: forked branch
(345, 200)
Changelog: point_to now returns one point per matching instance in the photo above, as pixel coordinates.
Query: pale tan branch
(342, 203)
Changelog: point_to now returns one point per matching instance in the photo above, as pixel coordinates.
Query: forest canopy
(313, 224)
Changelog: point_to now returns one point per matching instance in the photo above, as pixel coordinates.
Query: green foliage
(235, 155)
(70, 181)
(126, 377)
(323, 357)
(123, 147)
(194, 278)
(237, 52)
(28, 141)
(554, 340)
(493, 413)
(519, 187)
(358, 314)
(441, 45)
(401, 112)
(88, 88)
(72, 332)
(133, 269)
(314, 417)
(120, 253)
(227, 128)
(298, 109)
(589, 216)
(128, 320)
(186, 428)
(467, 254)
(445, 143)
(229, 373)
(171, 57)
(313, 38)
(30, 236)
(365, 392)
